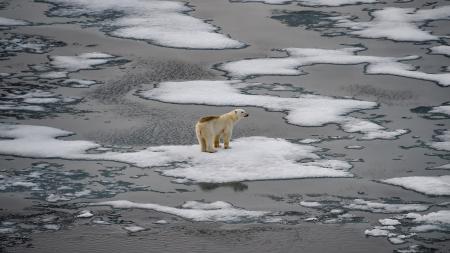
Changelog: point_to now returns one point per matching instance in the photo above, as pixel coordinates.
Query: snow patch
(376, 207)
(436, 186)
(164, 23)
(301, 110)
(251, 158)
(299, 57)
(398, 24)
(218, 211)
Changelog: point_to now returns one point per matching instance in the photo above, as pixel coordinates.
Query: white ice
(78, 83)
(389, 222)
(443, 141)
(376, 207)
(299, 57)
(251, 158)
(54, 75)
(427, 228)
(163, 23)
(218, 211)
(15, 107)
(82, 61)
(312, 2)
(85, 214)
(134, 229)
(399, 24)
(444, 109)
(424, 184)
(301, 110)
(445, 50)
(310, 204)
(12, 22)
(441, 217)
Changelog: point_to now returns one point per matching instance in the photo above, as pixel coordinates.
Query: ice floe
(427, 184)
(399, 24)
(79, 62)
(441, 217)
(376, 207)
(445, 50)
(218, 211)
(78, 83)
(134, 229)
(12, 22)
(313, 3)
(33, 100)
(442, 140)
(389, 222)
(165, 23)
(85, 214)
(13, 43)
(301, 110)
(299, 57)
(254, 158)
(444, 109)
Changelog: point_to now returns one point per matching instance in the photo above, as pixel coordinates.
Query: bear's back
(207, 118)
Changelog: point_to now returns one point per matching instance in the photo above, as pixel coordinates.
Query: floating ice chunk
(311, 219)
(427, 228)
(376, 232)
(299, 57)
(314, 3)
(273, 159)
(55, 198)
(300, 111)
(354, 147)
(12, 22)
(443, 167)
(444, 109)
(52, 226)
(165, 23)
(399, 24)
(310, 204)
(426, 184)
(14, 107)
(82, 61)
(389, 222)
(443, 142)
(161, 222)
(7, 230)
(54, 75)
(78, 83)
(41, 100)
(309, 141)
(24, 184)
(134, 229)
(441, 217)
(223, 212)
(445, 50)
(396, 240)
(85, 214)
(376, 207)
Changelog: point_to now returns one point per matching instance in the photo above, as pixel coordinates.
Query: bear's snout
(246, 115)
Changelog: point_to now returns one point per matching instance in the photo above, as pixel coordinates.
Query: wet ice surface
(274, 159)
(400, 24)
(163, 23)
(427, 185)
(311, 2)
(300, 57)
(301, 110)
(197, 211)
(96, 179)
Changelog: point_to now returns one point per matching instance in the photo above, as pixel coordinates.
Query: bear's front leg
(209, 147)
(226, 141)
(217, 141)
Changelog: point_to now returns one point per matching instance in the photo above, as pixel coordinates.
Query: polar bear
(211, 129)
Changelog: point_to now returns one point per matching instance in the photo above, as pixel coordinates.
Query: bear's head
(240, 113)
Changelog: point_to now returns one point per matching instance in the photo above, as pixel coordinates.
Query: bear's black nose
(246, 115)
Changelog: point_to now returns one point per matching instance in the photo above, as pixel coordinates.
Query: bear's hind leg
(210, 145)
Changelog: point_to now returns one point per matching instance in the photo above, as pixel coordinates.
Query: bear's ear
(235, 112)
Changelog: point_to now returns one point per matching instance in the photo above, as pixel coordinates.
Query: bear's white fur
(211, 129)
